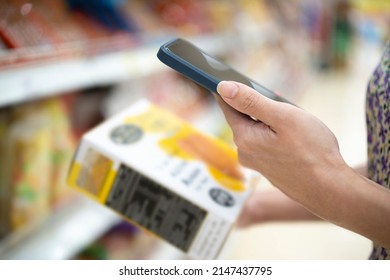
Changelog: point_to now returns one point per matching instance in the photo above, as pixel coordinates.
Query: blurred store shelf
(62, 235)
(35, 81)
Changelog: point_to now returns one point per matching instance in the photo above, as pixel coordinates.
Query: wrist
(333, 182)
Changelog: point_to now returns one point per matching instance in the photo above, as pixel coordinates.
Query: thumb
(250, 102)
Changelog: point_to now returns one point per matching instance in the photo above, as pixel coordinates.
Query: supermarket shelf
(32, 82)
(62, 235)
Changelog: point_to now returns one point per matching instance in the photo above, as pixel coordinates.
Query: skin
(300, 156)
(273, 205)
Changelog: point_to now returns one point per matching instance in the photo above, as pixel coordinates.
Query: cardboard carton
(163, 175)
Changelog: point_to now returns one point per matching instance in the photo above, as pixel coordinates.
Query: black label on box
(155, 208)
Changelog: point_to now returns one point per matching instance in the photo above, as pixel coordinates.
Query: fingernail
(227, 89)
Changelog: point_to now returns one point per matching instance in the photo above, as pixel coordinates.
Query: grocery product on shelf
(42, 30)
(39, 31)
(37, 146)
(29, 142)
(61, 149)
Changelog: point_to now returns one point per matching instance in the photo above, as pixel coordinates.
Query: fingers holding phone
(286, 144)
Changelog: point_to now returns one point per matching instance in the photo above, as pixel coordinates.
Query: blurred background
(67, 65)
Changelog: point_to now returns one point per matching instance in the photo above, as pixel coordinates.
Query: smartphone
(204, 69)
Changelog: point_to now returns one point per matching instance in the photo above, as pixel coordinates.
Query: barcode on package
(155, 208)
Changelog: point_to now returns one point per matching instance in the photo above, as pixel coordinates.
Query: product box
(163, 175)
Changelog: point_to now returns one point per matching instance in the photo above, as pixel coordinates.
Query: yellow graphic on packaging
(186, 143)
(94, 177)
(221, 161)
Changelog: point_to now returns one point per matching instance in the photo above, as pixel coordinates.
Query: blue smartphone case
(201, 77)
(185, 68)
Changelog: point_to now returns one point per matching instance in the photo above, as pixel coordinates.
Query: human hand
(300, 156)
(289, 146)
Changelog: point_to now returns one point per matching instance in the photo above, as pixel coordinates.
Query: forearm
(282, 208)
(350, 200)
(272, 205)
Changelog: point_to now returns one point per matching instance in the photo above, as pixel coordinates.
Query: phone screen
(216, 69)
